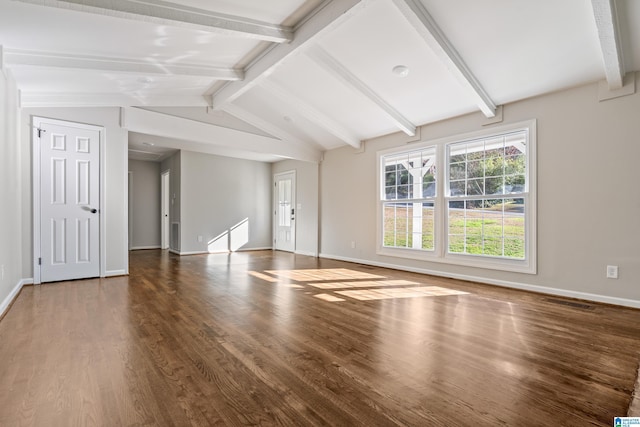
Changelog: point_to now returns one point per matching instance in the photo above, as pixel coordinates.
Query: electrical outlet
(353, 245)
(612, 271)
(200, 239)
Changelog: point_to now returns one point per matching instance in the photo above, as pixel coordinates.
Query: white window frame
(440, 254)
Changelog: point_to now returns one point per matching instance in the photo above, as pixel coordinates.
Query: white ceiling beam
(322, 20)
(175, 15)
(167, 126)
(606, 17)
(335, 68)
(418, 16)
(267, 126)
(311, 113)
(17, 57)
(2, 59)
(49, 99)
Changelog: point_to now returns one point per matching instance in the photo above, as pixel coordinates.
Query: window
(466, 200)
(409, 195)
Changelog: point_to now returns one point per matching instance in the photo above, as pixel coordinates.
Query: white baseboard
(112, 273)
(305, 253)
(255, 249)
(13, 294)
(140, 248)
(198, 252)
(218, 252)
(504, 283)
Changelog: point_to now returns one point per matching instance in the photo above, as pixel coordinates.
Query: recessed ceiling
(293, 78)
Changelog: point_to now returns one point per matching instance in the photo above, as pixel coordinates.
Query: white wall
(10, 195)
(220, 193)
(588, 196)
(115, 211)
(307, 198)
(145, 204)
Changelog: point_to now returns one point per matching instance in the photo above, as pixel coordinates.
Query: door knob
(88, 209)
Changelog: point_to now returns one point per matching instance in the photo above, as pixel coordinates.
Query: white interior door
(164, 214)
(285, 202)
(69, 201)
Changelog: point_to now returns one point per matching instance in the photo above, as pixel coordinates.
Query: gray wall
(115, 211)
(145, 204)
(220, 193)
(11, 217)
(307, 198)
(588, 196)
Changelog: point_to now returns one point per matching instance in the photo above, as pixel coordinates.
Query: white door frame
(293, 204)
(36, 122)
(130, 209)
(165, 209)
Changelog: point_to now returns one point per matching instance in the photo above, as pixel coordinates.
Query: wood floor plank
(243, 339)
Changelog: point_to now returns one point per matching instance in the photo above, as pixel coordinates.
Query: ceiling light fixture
(400, 71)
(150, 144)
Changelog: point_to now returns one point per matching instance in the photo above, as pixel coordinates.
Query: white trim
(439, 254)
(36, 121)
(13, 294)
(262, 248)
(265, 248)
(141, 248)
(165, 198)
(625, 302)
(113, 273)
(305, 253)
(125, 211)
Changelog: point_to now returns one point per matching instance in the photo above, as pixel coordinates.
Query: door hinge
(40, 132)
(39, 261)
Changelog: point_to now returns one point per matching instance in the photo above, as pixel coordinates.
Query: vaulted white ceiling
(293, 78)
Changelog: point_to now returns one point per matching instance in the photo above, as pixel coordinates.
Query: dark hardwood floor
(262, 338)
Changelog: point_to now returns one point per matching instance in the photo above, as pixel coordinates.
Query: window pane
(426, 222)
(403, 191)
(390, 178)
(457, 188)
(475, 169)
(514, 165)
(493, 227)
(494, 166)
(486, 164)
(409, 225)
(475, 187)
(494, 185)
(457, 171)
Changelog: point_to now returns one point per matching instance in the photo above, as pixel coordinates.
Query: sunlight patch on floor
(313, 275)
(329, 297)
(364, 284)
(263, 277)
(414, 292)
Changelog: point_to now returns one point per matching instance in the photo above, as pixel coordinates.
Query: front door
(285, 197)
(69, 200)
